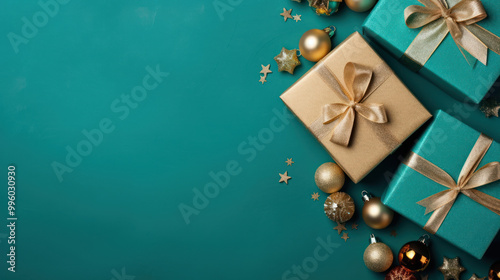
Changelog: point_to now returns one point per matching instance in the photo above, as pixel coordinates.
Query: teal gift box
(447, 67)
(447, 144)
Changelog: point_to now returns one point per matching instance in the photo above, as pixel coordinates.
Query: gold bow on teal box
(437, 19)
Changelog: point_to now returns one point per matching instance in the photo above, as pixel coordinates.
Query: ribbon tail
(491, 40)
(488, 201)
(471, 44)
(436, 201)
(437, 218)
(425, 43)
(343, 129)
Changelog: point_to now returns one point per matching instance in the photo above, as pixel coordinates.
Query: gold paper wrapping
(370, 142)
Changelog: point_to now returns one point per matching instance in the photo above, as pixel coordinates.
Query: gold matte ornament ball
(360, 5)
(329, 177)
(315, 44)
(376, 215)
(378, 257)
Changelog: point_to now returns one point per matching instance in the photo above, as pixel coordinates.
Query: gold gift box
(370, 141)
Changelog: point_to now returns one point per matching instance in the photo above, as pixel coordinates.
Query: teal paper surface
(447, 143)
(447, 67)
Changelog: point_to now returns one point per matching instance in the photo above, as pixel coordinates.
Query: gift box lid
(447, 67)
(447, 143)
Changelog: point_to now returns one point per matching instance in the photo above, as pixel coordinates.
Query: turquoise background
(117, 213)
(447, 143)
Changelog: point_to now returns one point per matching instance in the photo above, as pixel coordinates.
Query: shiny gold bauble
(494, 273)
(360, 5)
(378, 257)
(415, 256)
(376, 214)
(329, 177)
(315, 44)
(339, 207)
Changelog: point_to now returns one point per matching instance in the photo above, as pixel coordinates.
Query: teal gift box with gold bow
(453, 43)
(450, 185)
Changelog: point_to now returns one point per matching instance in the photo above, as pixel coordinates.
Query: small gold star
(314, 196)
(354, 226)
(286, 14)
(262, 79)
(475, 277)
(265, 70)
(451, 268)
(297, 18)
(345, 236)
(287, 60)
(340, 227)
(490, 107)
(289, 161)
(394, 233)
(284, 177)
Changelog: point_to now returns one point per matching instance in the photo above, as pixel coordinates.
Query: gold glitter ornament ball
(375, 214)
(339, 207)
(315, 44)
(329, 177)
(360, 5)
(378, 257)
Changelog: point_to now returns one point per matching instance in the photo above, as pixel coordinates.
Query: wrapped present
(355, 106)
(453, 43)
(450, 185)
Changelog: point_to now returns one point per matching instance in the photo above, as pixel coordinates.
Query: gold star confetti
(297, 18)
(265, 70)
(354, 226)
(475, 277)
(490, 107)
(287, 60)
(451, 268)
(289, 161)
(394, 233)
(340, 227)
(314, 196)
(345, 236)
(284, 177)
(262, 79)
(286, 14)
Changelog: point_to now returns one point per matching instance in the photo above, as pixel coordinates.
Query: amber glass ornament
(415, 255)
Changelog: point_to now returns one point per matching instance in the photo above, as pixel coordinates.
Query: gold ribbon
(357, 79)
(469, 179)
(436, 20)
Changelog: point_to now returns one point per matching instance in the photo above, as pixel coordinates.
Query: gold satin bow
(469, 179)
(357, 78)
(460, 22)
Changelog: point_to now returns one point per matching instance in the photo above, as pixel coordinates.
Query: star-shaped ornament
(262, 79)
(286, 14)
(394, 233)
(490, 107)
(287, 60)
(265, 70)
(354, 226)
(315, 196)
(451, 268)
(297, 18)
(345, 236)
(474, 277)
(289, 161)
(340, 227)
(284, 177)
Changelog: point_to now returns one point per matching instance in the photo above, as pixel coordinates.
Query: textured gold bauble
(339, 207)
(415, 256)
(360, 5)
(315, 44)
(378, 257)
(329, 177)
(494, 273)
(376, 214)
